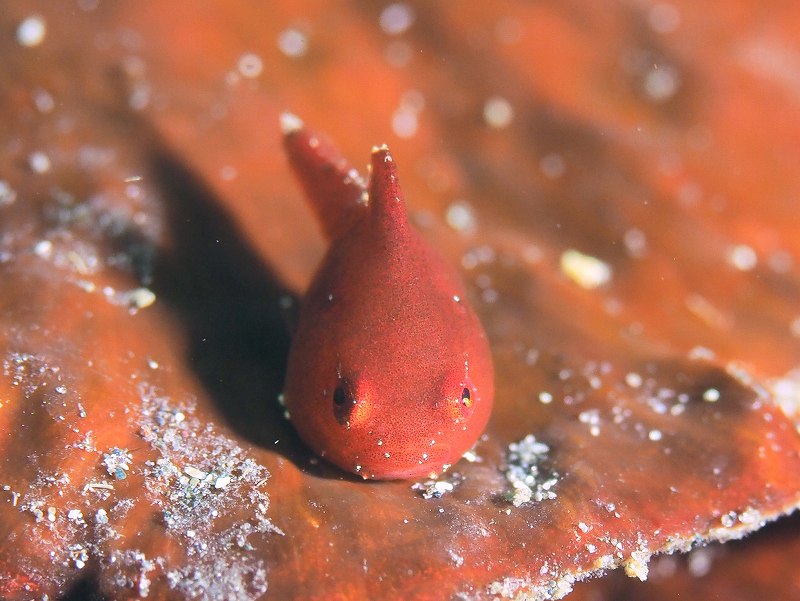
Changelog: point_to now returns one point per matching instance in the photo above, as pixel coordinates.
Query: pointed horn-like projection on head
(386, 202)
(334, 189)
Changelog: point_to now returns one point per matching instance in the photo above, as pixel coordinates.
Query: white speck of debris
(7, 194)
(591, 417)
(290, 123)
(661, 82)
(700, 562)
(787, 394)
(228, 173)
(443, 487)
(74, 514)
(134, 192)
(193, 472)
(498, 112)
(412, 100)
(654, 435)
(61, 389)
(86, 285)
(179, 417)
(741, 257)
(583, 527)
(545, 397)
(552, 165)
(729, 519)
(460, 217)
(285, 302)
(635, 243)
(636, 565)
(138, 298)
(586, 271)
(117, 462)
(293, 43)
(711, 395)
(750, 516)
(433, 489)
(532, 254)
(405, 123)
(780, 261)
(31, 31)
(221, 482)
(51, 514)
(483, 254)
(39, 162)
(664, 18)
(97, 486)
(152, 364)
(396, 18)
(529, 483)
(457, 559)
(633, 380)
(701, 353)
(43, 249)
(489, 296)
(250, 65)
(140, 90)
(678, 409)
(794, 327)
(471, 456)
(705, 310)
(44, 101)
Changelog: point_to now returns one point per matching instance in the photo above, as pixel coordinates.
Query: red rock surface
(153, 244)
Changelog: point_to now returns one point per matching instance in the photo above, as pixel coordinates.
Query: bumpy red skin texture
(385, 321)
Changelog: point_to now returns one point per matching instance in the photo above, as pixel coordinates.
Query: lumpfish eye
(466, 398)
(344, 402)
(339, 396)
